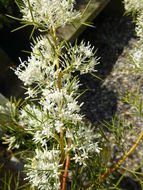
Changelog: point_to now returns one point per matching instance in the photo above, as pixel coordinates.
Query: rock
(89, 10)
(3, 100)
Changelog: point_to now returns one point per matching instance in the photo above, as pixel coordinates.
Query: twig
(61, 147)
(66, 167)
(119, 163)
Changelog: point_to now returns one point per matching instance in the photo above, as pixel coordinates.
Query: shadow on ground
(111, 34)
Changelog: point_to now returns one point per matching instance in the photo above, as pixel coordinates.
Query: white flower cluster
(82, 57)
(43, 171)
(40, 66)
(137, 7)
(86, 144)
(11, 141)
(137, 56)
(133, 5)
(52, 113)
(57, 108)
(49, 13)
(35, 69)
(139, 25)
(58, 105)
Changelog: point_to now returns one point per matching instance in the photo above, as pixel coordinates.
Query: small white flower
(31, 93)
(39, 65)
(82, 58)
(30, 116)
(139, 25)
(137, 56)
(133, 5)
(85, 144)
(11, 141)
(59, 126)
(69, 134)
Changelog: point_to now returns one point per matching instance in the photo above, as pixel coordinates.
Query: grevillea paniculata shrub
(48, 126)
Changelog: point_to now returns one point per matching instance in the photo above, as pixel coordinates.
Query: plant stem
(53, 32)
(56, 56)
(62, 155)
(61, 147)
(66, 167)
(119, 163)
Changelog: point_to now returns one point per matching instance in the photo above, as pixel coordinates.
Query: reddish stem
(66, 167)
